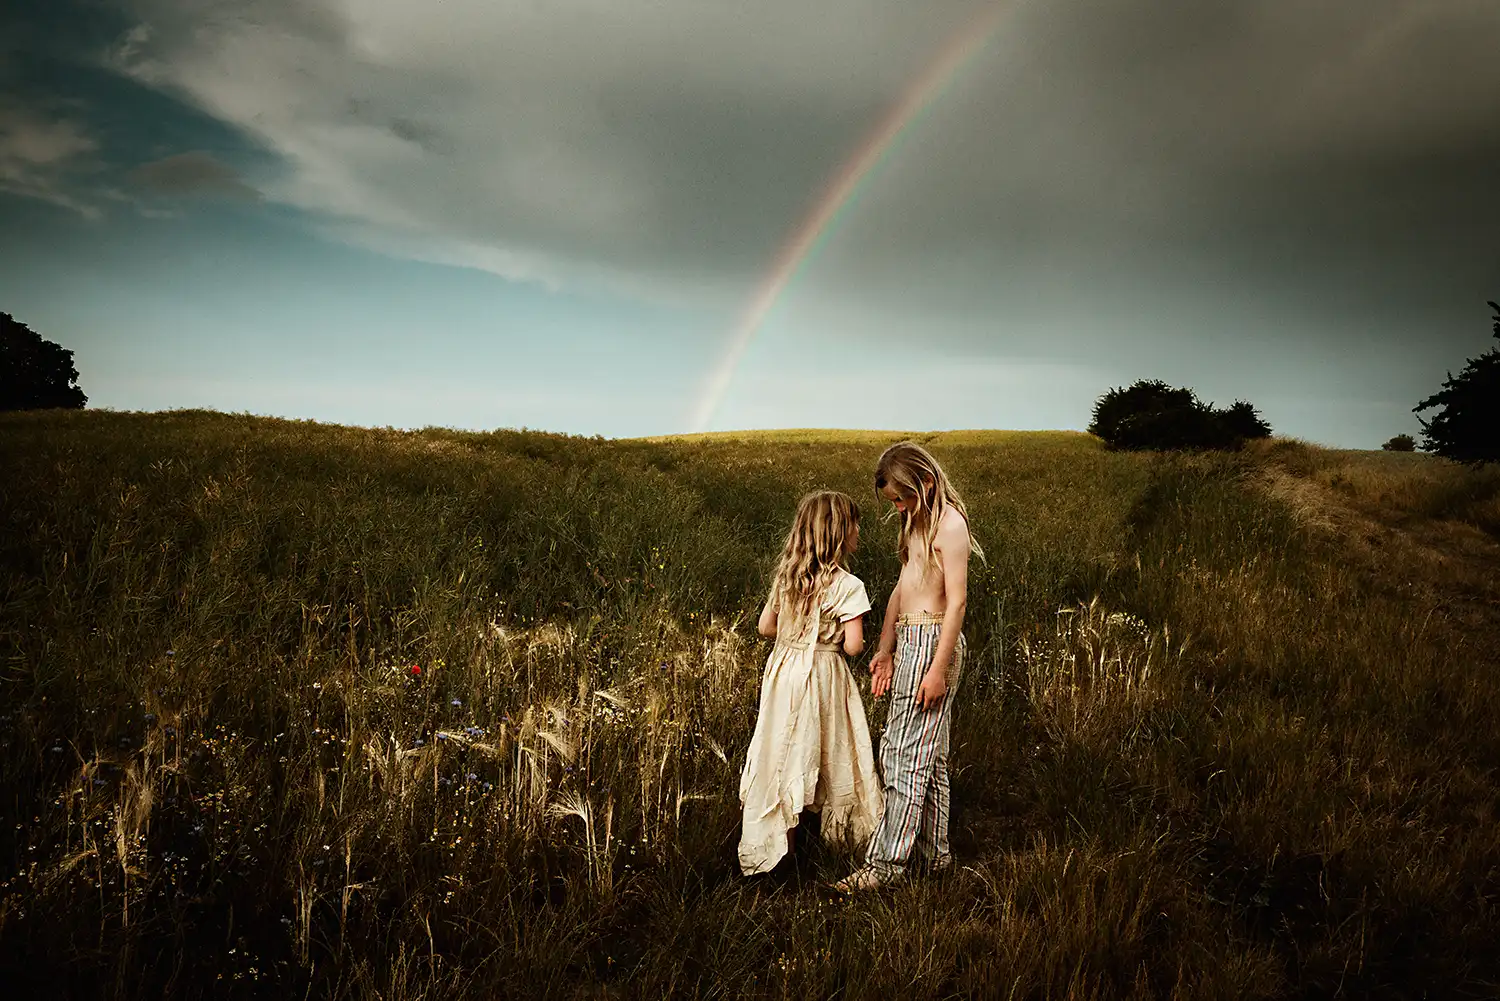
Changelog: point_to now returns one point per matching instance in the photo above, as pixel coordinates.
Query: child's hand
(882, 666)
(934, 686)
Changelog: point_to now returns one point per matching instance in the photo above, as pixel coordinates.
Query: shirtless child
(923, 630)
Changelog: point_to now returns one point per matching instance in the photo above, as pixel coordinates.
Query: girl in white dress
(811, 749)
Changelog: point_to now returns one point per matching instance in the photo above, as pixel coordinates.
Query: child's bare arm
(952, 548)
(888, 624)
(854, 635)
(767, 624)
(882, 665)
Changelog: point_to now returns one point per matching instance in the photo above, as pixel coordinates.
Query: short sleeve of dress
(849, 598)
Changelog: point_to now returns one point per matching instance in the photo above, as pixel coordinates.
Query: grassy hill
(292, 708)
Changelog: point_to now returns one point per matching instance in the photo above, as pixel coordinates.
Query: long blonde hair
(815, 549)
(913, 473)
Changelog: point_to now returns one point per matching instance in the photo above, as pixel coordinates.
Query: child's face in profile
(889, 491)
(904, 502)
(851, 542)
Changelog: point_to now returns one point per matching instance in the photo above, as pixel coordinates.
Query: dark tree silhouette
(1243, 421)
(1401, 443)
(35, 374)
(1153, 415)
(1466, 427)
(1147, 411)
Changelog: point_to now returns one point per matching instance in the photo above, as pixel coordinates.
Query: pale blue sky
(238, 307)
(506, 214)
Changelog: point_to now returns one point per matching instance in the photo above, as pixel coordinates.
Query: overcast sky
(550, 213)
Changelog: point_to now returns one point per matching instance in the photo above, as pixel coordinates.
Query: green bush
(1152, 415)
(1400, 443)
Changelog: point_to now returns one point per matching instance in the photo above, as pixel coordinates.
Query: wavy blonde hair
(815, 550)
(912, 472)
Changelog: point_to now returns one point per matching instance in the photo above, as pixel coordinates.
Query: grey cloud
(420, 133)
(1096, 158)
(41, 154)
(652, 138)
(192, 173)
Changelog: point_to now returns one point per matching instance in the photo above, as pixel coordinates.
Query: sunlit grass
(847, 436)
(294, 708)
(821, 436)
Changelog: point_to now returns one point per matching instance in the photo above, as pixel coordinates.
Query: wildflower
(420, 742)
(416, 672)
(456, 702)
(171, 653)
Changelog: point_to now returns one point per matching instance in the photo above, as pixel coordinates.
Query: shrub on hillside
(1153, 415)
(1466, 427)
(35, 374)
(1401, 443)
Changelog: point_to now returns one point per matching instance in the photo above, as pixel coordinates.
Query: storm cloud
(683, 140)
(1141, 183)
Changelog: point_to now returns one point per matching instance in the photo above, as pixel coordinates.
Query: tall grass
(292, 708)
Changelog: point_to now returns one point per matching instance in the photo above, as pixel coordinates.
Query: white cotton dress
(811, 749)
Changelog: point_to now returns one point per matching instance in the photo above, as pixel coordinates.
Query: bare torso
(918, 591)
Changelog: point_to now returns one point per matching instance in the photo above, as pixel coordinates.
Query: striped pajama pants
(914, 755)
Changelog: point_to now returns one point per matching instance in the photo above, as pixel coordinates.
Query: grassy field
(301, 710)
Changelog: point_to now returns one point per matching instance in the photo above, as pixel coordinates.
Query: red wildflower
(416, 672)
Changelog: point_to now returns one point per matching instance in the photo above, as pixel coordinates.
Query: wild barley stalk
(548, 805)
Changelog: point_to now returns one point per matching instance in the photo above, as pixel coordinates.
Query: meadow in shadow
(302, 709)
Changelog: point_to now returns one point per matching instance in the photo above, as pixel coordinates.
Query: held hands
(881, 668)
(934, 686)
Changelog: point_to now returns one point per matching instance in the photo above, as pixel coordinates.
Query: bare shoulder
(952, 532)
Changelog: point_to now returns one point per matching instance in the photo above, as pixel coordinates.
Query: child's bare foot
(861, 880)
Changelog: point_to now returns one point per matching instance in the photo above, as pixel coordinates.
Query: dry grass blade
(293, 709)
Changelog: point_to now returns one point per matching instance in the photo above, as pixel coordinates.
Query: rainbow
(922, 93)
